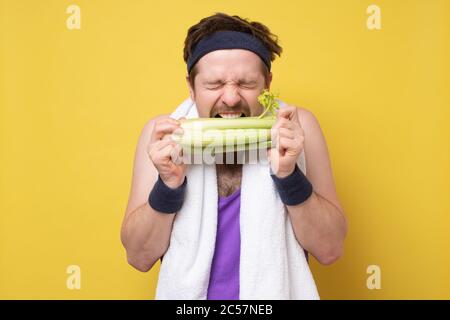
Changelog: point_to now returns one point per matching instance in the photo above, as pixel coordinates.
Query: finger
(163, 128)
(180, 130)
(274, 159)
(286, 133)
(176, 155)
(153, 149)
(169, 152)
(160, 144)
(284, 123)
(290, 146)
(275, 138)
(168, 120)
(286, 126)
(169, 135)
(289, 113)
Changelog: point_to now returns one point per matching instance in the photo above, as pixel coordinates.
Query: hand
(287, 142)
(165, 154)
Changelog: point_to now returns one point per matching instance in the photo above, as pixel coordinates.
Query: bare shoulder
(307, 119)
(314, 137)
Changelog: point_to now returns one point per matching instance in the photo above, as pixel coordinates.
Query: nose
(230, 96)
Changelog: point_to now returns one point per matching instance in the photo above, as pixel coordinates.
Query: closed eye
(214, 87)
(248, 86)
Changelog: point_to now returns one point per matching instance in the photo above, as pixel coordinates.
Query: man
(228, 62)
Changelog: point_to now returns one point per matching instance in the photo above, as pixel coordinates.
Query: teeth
(231, 115)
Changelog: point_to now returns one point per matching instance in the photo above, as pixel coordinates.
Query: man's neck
(228, 178)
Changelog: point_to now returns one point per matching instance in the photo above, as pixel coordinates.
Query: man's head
(229, 80)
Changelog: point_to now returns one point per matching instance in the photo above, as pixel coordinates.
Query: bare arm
(146, 232)
(319, 223)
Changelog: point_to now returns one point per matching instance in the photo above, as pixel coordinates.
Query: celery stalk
(215, 137)
(221, 123)
(246, 133)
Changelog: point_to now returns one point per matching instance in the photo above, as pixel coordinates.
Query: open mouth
(230, 115)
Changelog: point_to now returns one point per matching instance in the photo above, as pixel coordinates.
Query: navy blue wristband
(293, 189)
(165, 199)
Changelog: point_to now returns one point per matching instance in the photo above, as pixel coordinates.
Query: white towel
(272, 262)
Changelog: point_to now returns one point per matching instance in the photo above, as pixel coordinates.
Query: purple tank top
(224, 276)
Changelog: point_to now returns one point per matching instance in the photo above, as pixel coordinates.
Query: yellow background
(73, 103)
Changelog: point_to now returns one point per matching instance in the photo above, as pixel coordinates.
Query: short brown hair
(221, 21)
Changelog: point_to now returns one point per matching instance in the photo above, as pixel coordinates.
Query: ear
(191, 90)
(269, 81)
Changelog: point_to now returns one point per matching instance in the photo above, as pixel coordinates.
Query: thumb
(273, 156)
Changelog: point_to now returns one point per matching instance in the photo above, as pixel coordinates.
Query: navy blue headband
(228, 40)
